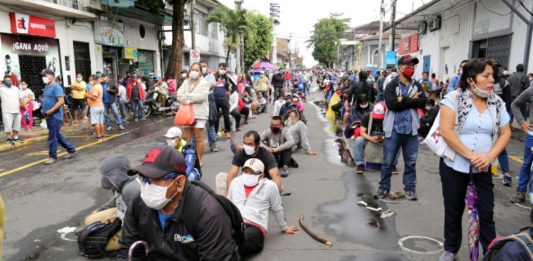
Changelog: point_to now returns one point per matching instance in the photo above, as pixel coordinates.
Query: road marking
(37, 153)
(440, 244)
(29, 165)
(65, 231)
(517, 159)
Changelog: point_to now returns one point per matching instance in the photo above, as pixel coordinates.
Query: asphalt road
(40, 200)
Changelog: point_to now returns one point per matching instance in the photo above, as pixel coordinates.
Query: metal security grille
(82, 59)
(30, 70)
(498, 48)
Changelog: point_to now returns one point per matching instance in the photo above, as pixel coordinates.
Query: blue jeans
(54, 137)
(409, 145)
(359, 151)
(525, 170)
(114, 110)
(137, 108)
(211, 134)
(503, 160)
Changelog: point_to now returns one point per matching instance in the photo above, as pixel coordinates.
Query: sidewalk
(38, 134)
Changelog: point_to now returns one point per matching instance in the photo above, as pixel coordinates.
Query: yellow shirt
(81, 93)
(98, 92)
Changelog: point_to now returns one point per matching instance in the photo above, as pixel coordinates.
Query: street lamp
(239, 52)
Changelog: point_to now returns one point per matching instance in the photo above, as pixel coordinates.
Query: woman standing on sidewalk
(481, 134)
(195, 91)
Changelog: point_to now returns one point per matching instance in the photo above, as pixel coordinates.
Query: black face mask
(275, 130)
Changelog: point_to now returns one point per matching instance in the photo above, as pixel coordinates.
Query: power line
(524, 6)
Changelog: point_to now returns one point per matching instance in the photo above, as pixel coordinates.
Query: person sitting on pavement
(254, 196)
(374, 121)
(429, 118)
(279, 141)
(298, 130)
(12, 100)
(175, 139)
(280, 101)
(475, 126)
(166, 208)
(125, 189)
(250, 149)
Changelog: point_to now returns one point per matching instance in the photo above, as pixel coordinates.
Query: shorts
(97, 115)
(200, 124)
(78, 104)
(12, 121)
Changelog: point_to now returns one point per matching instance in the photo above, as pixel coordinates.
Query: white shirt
(27, 95)
(123, 93)
(10, 98)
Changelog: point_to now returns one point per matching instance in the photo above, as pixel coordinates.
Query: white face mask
(46, 80)
(363, 106)
(194, 75)
(204, 70)
(250, 180)
(79, 79)
(481, 93)
(154, 196)
(249, 150)
(171, 143)
(222, 72)
(183, 75)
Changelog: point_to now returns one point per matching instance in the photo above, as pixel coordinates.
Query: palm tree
(233, 23)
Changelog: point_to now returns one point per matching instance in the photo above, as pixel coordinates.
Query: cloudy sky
(299, 16)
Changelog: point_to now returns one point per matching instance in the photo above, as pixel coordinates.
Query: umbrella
(263, 65)
(473, 220)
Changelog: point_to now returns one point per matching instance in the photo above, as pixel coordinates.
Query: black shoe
(381, 194)
(9, 140)
(519, 197)
(507, 180)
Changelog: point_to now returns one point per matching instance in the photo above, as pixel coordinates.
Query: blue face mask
(7, 84)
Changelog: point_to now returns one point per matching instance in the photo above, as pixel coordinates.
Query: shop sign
(408, 44)
(131, 53)
(32, 25)
(108, 33)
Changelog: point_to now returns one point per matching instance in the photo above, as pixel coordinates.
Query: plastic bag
(185, 116)
(43, 124)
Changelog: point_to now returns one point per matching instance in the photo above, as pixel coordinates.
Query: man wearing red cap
(178, 220)
(371, 131)
(403, 97)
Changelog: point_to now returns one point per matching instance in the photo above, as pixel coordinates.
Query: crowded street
(228, 130)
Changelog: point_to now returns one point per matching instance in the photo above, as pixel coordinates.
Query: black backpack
(523, 238)
(93, 238)
(233, 212)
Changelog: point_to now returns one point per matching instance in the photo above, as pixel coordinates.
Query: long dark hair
(472, 69)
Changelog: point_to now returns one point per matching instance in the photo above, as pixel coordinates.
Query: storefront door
(30, 69)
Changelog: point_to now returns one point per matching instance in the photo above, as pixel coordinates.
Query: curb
(40, 137)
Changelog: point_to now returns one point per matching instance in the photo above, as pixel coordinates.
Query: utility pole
(380, 41)
(289, 47)
(393, 24)
(193, 31)
(274, 16)
(238, 4)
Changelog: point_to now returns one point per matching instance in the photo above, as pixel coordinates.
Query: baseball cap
(173, 133)
(46, 72)
(379, 111)
(256, 165)
(407, 59)
(159, 161)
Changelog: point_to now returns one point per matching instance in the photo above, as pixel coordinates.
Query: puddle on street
(359, 224)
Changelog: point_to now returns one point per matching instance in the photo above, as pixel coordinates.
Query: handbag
(185, 116)
(436, 143)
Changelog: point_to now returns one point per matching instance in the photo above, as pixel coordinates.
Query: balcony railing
(75, 4)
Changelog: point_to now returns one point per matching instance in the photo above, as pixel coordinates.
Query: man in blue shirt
(454, 82)
(403, 96)
(109, 98)
(52, 108)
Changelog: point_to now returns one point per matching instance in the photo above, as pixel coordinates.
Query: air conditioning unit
(435, 23)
